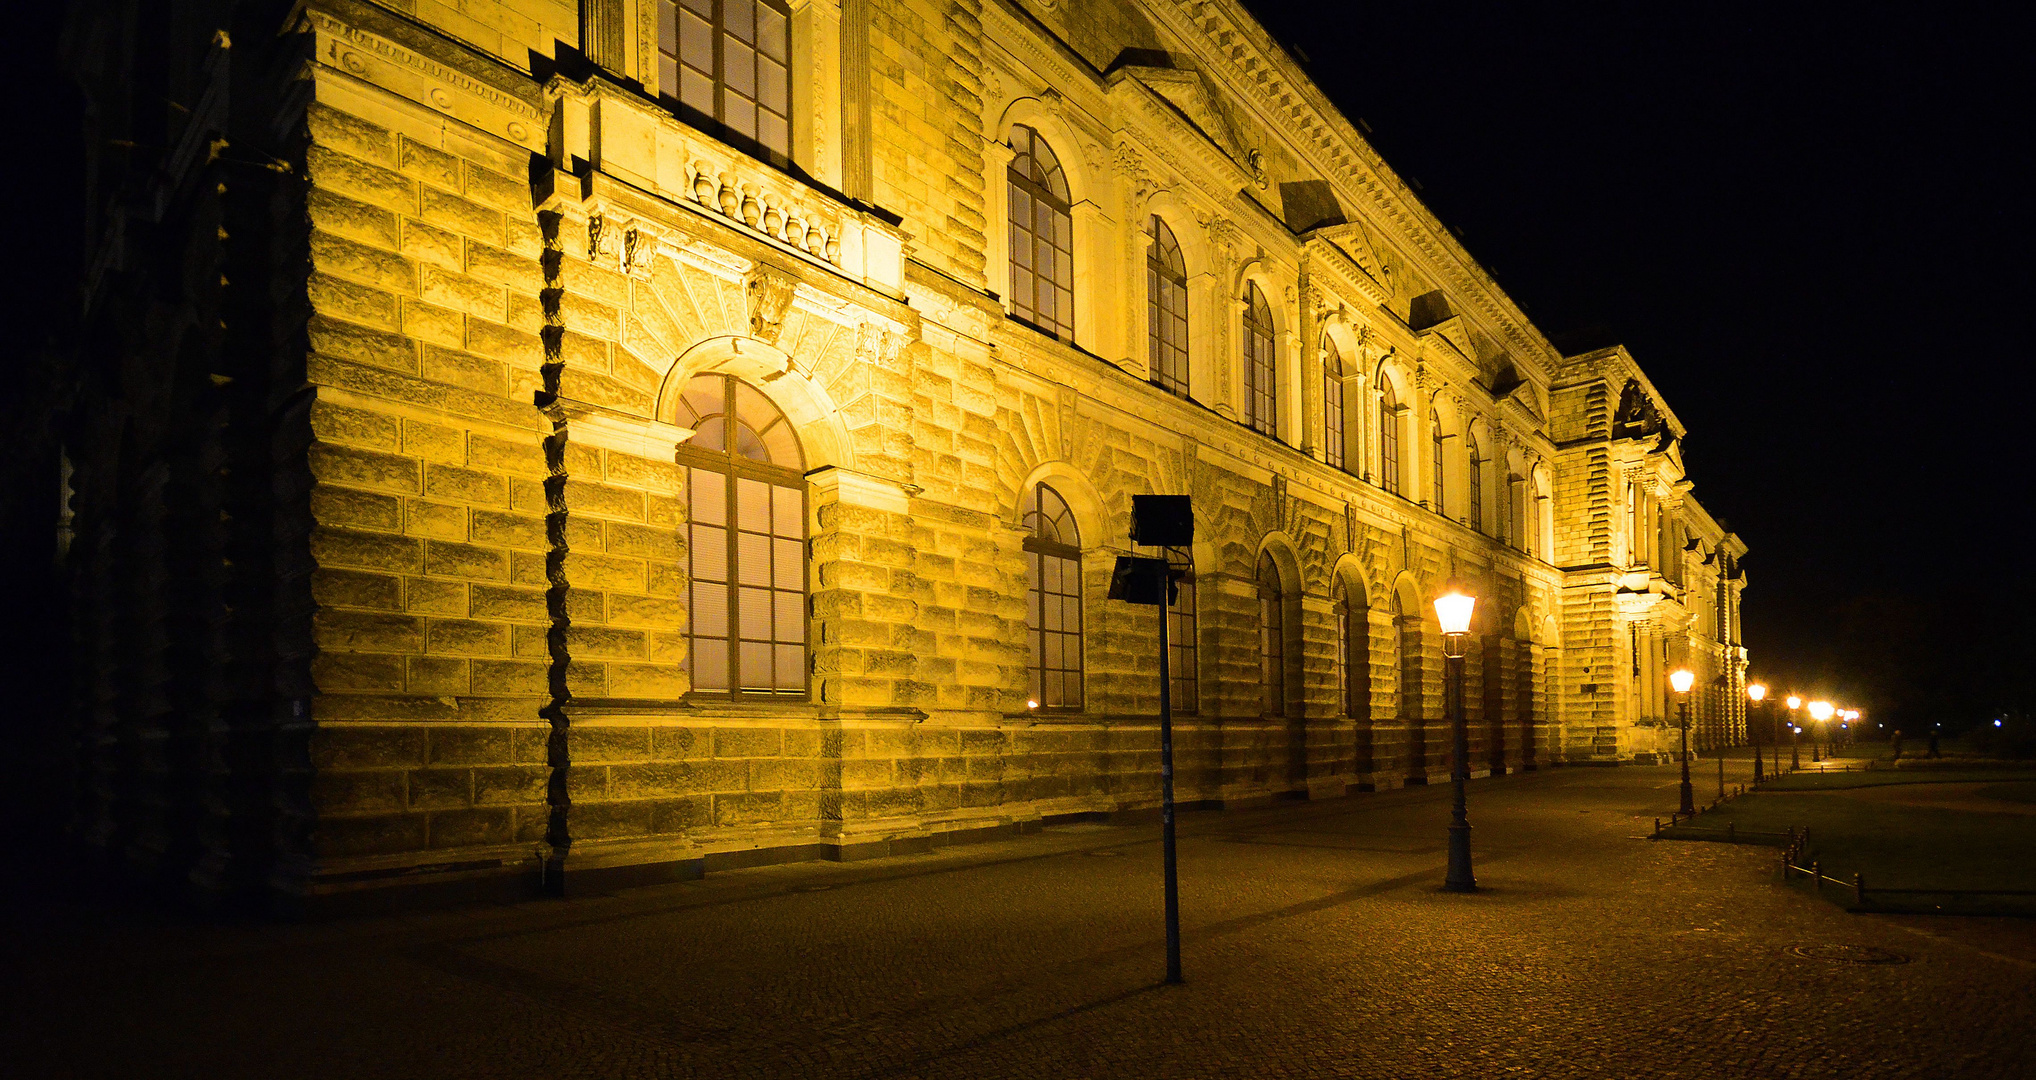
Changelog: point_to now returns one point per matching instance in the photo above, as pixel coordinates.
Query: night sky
(1811, 228)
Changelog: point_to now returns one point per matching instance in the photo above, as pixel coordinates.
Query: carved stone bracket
(770, 296)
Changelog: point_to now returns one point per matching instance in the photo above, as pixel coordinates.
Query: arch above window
(1389, 437)
(1041, 235)
(1335, 440)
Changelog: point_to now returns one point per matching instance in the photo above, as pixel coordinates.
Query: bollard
(1817, 875)
(1732, 831)
(1657, 827)
(1859, 889)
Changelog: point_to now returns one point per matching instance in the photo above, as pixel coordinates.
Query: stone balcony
(606, 135)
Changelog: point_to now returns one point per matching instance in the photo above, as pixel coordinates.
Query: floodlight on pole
(1681, 679)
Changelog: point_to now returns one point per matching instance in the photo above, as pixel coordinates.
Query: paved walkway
(1317, 944)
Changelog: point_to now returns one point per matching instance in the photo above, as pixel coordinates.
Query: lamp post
(1795, 730)
(1820, 711)
(1681, 679)
(1452, 611)
(1755, 693)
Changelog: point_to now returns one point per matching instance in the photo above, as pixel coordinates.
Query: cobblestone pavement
(1317, 943)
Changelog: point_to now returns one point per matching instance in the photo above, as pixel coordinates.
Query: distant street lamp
(1820, 711)
(1795, 729)
(1681, 679)
(1757, 694)
(1452, 611)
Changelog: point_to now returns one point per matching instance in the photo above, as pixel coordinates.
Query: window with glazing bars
(1436, 438)
(1334, 450)
(746, 541)
(1042, 236)
(1389, 439)
(1272, 638)
(1354, 637)
(1474, 481)
(1180, 630)
(1053, 614)
(729, 62)
(1261, 406)
(1166, 308)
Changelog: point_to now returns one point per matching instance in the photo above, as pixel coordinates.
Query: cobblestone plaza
(1317, 943)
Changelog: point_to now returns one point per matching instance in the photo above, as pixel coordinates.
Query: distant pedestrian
(1933, 742)
(1896, 738)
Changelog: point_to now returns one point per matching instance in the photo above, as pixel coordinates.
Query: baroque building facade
(533, 442)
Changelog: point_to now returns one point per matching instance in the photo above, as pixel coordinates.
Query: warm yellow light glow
(1820, 710)
(1681, 679)
(1032, 704)
(1452, 610)
(1756, 691)
(1795, 702)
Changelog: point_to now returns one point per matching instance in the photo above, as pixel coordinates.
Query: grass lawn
(1898, 846)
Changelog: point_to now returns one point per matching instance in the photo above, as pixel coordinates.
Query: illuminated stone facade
(393, 566)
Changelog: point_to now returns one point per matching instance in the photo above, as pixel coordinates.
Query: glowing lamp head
(1032, 704)
(1795, 702)
(1682, 679)
(1820, 710)
(1452, 610)
(1757, 692)
(1997, 723)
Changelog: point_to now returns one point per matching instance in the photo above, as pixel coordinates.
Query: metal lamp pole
(1453, 611)
(1795, 734)
(1681, 680)
(1757, 693)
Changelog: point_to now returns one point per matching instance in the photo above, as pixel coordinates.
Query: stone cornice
(1228, 39)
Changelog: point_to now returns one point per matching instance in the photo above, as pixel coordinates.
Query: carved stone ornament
(594, 226)
(1256, 160)
(770, 297)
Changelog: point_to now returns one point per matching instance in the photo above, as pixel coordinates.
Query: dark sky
(1811, 227)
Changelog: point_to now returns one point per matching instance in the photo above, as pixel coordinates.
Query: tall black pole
(1689, 795)
(1166, 788)
(1460, 878)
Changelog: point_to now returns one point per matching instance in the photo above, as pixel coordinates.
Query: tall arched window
(1389, 437)
(1334, 448)
(1042, 237)
(1475, 482)
(1436, 438)
(1166, 308)
(728, 62)
(1181, 641)
(1261, 405)
(1053, 613)
(746, 535)
(1272, 638)
(1354, 642)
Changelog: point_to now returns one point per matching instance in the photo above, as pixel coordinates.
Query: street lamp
(1795, 729)
(1755, 693)
(1681, 679)
(1820, 711)
(1452, 611)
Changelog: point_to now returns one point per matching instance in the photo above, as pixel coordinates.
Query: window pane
(739, 115)
(752, 505)
(771, 85)
(738, 67)
(738, 17)
(756, 665)
(696, 44)
(710, 497)
(787, 515)
(710, 610)
(787, 571)
(696, 91)
(710, 664)
(790, 616)
(791, 667)
(781, 447)
(753, 558)
(772, 133)
(710, 553)
(770, 33)
(755, 614)
(668, 76)
(748, 445)
(668, 28)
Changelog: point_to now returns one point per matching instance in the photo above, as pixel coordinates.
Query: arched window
(1181, 641)
(1042, 237)
(1334, 448)
(728, 62)
(1272, 638)
(1436, 437)
(1261, 406)
(746, 535)
(1389, 437)
(1354, 642)
(1166, 308)
(1053, 613)
(1475, 483)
